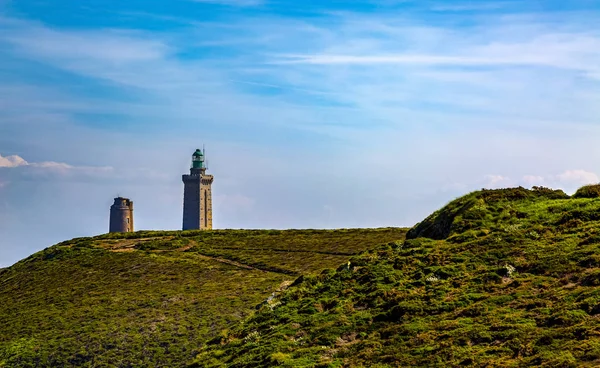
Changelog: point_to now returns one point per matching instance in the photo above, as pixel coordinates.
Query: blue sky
(315, 114)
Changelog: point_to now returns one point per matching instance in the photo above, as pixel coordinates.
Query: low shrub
(588, 191)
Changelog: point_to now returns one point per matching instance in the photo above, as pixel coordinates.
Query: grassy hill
(153, 298)
(498, 278)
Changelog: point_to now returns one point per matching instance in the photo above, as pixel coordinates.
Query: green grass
(500, 278)
(153, 298)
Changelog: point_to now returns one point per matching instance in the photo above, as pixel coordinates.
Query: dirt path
(129, 244)
(229, 262)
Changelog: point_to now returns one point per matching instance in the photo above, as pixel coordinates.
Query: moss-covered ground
(498, 278)
(152, 299)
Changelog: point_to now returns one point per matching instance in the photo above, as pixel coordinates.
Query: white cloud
(414, 59)
(53, 165)
(579, 177)
(12, 161)
(110, 46)
(15, 161)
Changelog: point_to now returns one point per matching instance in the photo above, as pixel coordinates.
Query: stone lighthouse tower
(197, 199)
(121, 216)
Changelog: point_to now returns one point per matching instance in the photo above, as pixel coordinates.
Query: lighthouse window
(127, 219)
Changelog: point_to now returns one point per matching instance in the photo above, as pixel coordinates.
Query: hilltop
(154, 298)
(497, 278)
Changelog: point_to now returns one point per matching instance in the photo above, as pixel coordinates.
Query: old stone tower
(197, 199)
(121, 216)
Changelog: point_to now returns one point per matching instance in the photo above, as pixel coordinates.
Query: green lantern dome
(198, 159)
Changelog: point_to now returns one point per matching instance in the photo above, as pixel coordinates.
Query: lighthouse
(121, 216)
(197, 198)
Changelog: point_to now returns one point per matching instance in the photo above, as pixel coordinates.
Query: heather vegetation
(152, 299)
(588, 191)
(497, 278)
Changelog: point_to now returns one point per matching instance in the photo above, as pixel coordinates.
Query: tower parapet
(121, 216)
(197, 197)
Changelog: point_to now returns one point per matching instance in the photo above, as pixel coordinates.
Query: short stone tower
(121, 216)
(197, 198)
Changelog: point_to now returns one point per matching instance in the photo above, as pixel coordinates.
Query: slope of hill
(152, 298)
(498, 278)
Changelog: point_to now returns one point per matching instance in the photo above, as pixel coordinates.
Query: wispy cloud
(169, 88)
(496, 55)
(109, 45)
(232, 2)
(462, 7)
(383, 68)
(15, 161)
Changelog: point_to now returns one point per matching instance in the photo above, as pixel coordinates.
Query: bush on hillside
(549, 193)
(473, 209)
(588, 191)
